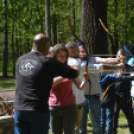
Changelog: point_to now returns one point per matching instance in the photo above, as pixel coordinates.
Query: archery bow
(111, 34)
(83, 44)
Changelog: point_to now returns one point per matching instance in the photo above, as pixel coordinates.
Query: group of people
(52, 89)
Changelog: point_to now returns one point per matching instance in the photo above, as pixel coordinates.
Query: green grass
(122, 128)
(9, 83)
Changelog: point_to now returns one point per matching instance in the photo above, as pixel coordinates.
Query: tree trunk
(13, 58)
(126, 20)
(54, 29)
(5, 55)
(38, 9)
(116, 43)
(47, 18)
(91, 11)
(20, 40)
(73, 16)
(12, 42)
(17, 47)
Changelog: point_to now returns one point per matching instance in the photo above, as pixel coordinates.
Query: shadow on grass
(90, 125)
(123, 126)
(89, 128)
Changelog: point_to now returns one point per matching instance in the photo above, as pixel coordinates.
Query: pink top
(62, 94)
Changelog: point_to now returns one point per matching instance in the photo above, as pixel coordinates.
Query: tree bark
(47, 18)
(92, 10)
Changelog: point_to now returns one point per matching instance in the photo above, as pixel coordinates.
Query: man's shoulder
(23, 56)
(34, 57)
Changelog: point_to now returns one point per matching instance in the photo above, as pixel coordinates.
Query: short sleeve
(131, 61)
(94, 60)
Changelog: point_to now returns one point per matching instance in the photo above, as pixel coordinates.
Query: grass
(122, 128)
(9, 83)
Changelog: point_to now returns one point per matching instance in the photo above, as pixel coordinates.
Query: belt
(92, 96)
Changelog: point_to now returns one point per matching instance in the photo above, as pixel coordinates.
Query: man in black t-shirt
(34, 76)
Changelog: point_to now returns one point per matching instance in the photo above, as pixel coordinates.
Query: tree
(12, 44)
(91, 11)
(5, 56)
(47, 18)
(73, 15)
(54, 29)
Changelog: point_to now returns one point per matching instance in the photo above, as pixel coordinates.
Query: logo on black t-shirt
(27, 67)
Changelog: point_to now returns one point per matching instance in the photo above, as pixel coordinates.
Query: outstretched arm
(117, 78)
(126, 78)
(110, 60)
(113, 67)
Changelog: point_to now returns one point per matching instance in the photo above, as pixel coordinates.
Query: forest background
(21, 20)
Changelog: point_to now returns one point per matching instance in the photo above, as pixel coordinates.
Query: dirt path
(7, 95)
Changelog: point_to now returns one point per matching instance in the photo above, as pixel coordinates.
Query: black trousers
(126, 105)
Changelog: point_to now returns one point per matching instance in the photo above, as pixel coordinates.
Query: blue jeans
(107, 114)
(27, 122)
(62, 118)
(91, 106)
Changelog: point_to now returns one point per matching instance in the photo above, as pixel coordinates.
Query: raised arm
(94, 68)
(113, 67)
(108, 60)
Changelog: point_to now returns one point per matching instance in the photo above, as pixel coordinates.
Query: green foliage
(7, 83)
(28, 18)
(121, 15)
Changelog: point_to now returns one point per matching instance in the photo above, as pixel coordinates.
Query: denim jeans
(107, 114)
(62, 118)
(92, 107)
(27, 122)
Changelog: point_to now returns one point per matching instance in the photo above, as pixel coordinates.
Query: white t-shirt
(95, 88)
(94, 77)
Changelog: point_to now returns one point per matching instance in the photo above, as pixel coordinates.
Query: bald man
(34, 76)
